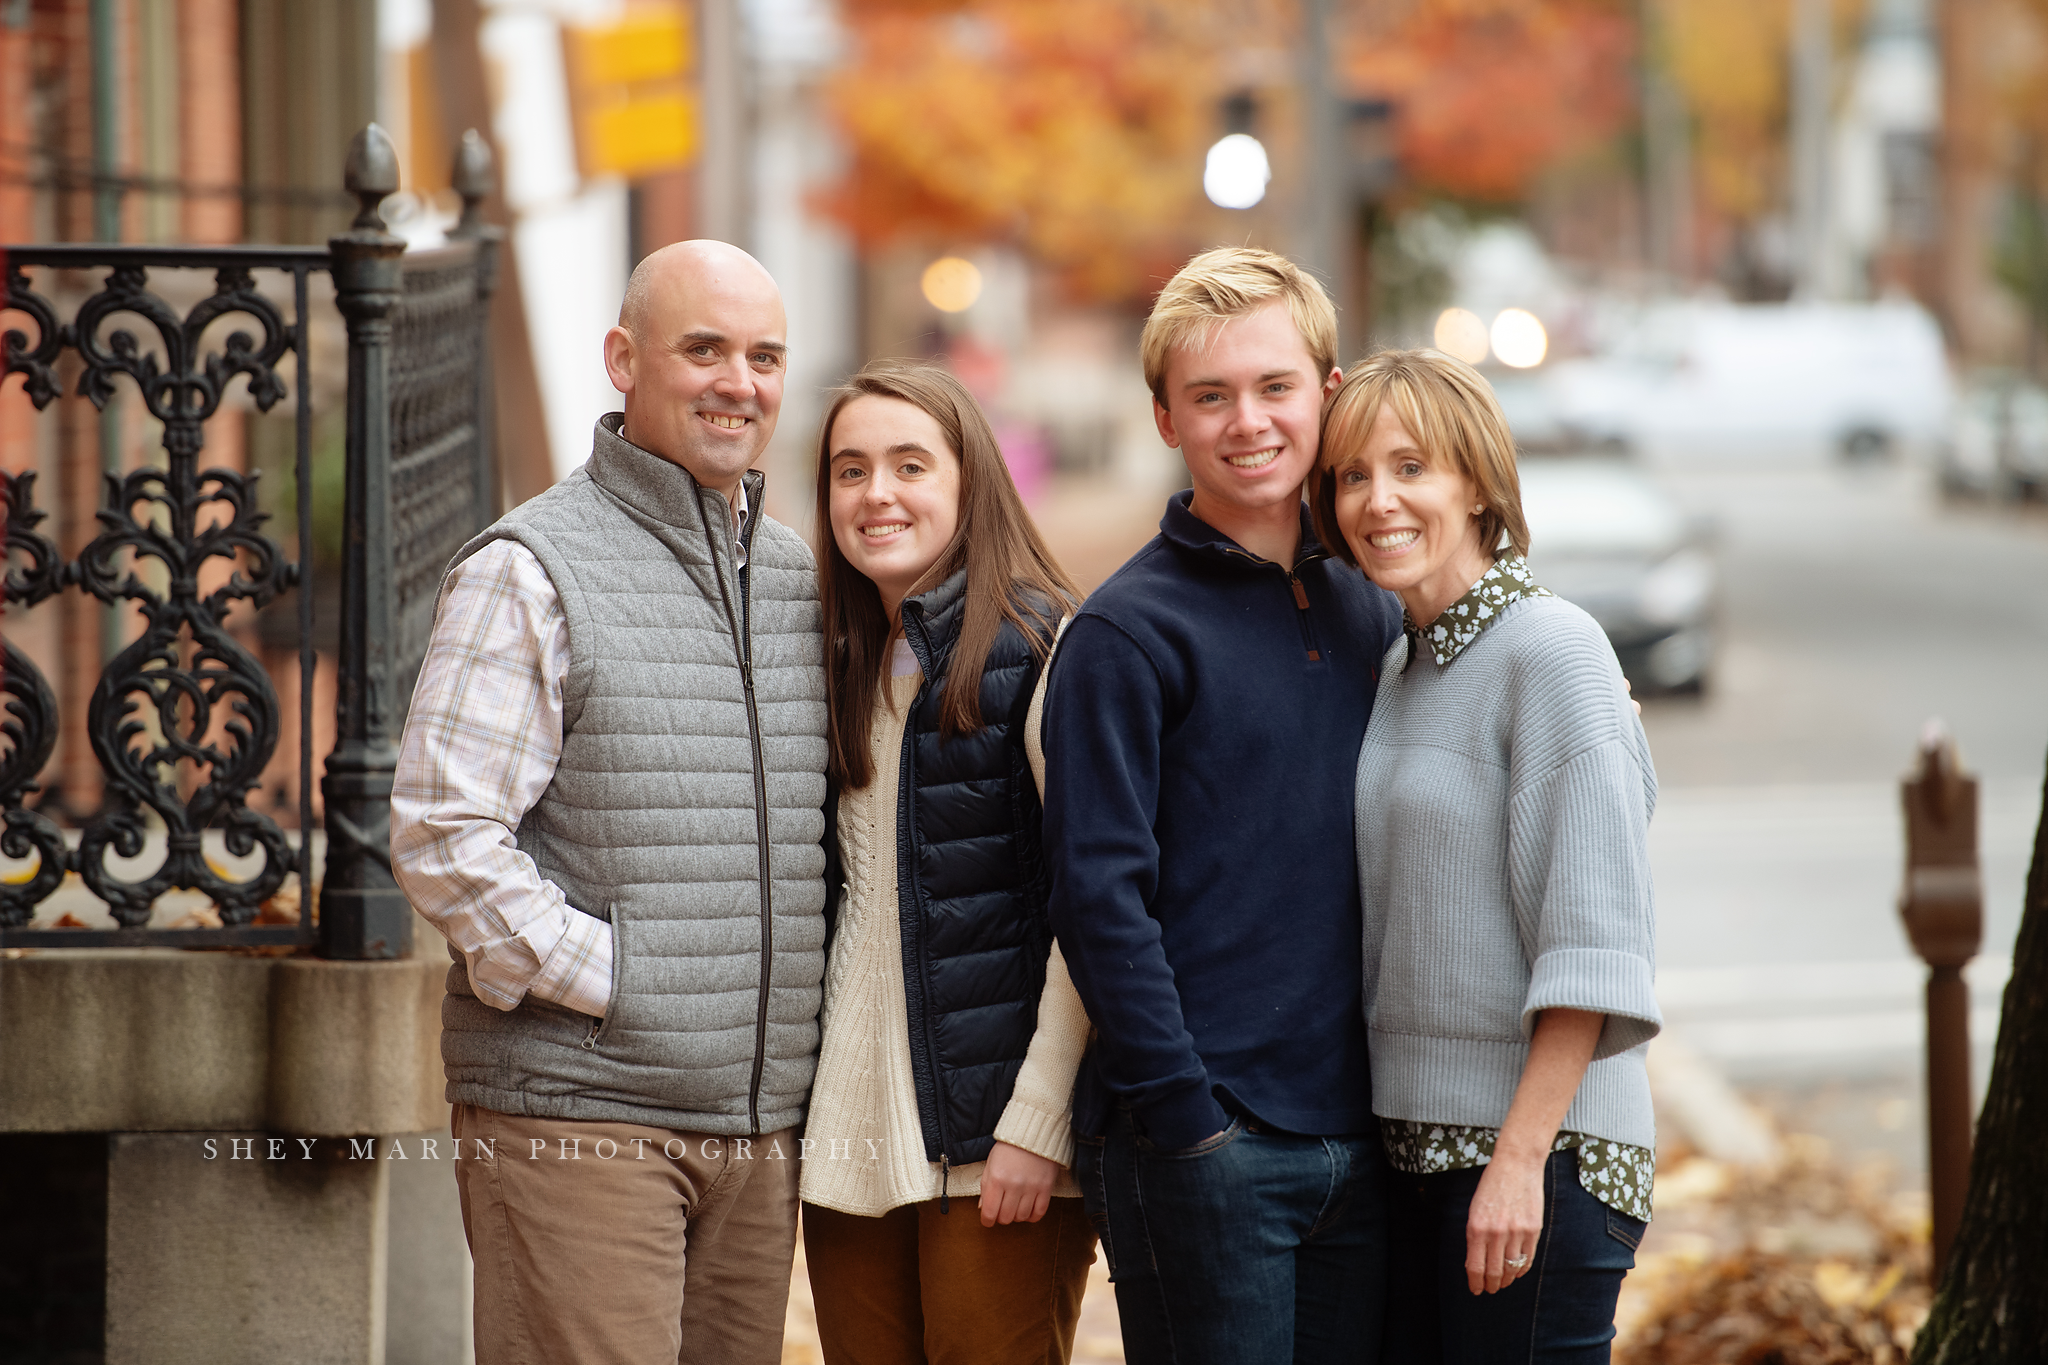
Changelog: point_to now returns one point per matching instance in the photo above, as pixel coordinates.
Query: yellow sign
(641, 136)
(636, 113)
(649, 43)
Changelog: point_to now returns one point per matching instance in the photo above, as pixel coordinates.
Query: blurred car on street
(1702, 381)
(1605, 536)
(1997, 444)
(1531, 401)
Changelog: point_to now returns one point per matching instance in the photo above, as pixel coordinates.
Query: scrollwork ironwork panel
(37, 364)
(436, 441)
(183, 720)
(30, 724)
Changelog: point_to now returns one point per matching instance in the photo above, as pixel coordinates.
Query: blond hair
(1450, 410)
(1229, 282)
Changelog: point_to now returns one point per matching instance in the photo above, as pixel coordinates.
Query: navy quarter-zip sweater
(1201, 731)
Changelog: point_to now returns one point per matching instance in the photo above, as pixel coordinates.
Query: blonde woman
(940, 1221)
(1503, 804)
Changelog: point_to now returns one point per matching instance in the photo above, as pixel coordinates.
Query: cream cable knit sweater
(866, 1152)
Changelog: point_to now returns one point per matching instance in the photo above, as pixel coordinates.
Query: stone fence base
(227, 1132)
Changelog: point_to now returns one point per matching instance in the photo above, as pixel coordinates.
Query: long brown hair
(1010, 574)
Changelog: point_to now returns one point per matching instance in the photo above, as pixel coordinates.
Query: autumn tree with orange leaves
(1490, 94)
(1076, 128)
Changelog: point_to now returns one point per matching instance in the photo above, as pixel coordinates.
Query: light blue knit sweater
(1503, 812)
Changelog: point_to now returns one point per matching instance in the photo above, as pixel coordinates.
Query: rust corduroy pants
(920, 1287)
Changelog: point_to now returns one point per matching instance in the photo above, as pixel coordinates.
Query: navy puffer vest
(971, 884)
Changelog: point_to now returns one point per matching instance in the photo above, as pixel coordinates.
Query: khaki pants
(590, 1250)
(916, 1285)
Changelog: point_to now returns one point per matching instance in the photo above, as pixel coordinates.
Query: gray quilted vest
(686, 811)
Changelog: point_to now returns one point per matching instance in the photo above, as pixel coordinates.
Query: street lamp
(1461, 333)
(1237, 171)
(1519, 340)
(951, 284)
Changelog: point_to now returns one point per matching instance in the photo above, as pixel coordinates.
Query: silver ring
(1517, 1262)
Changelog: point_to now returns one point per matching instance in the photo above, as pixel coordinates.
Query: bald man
(608, 799)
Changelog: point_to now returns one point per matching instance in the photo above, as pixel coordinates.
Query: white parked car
(1770, 382)
(1603, 535)
(1532, 405)
(1997, 445)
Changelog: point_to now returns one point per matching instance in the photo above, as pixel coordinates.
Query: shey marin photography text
(232, 1147)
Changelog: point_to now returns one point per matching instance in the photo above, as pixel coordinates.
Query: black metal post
(302, 486)
(362, 912)
(1943, 909)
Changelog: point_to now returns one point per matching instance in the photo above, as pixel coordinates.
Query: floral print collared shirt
(1459, 625)
(1617, 1174)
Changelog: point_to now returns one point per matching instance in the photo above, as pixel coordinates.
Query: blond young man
(1201, 731)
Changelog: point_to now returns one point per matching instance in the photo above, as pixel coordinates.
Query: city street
(1752, 285)
(1857, 607)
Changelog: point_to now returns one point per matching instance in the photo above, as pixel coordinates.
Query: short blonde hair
(1450, 410)
(1229, 282)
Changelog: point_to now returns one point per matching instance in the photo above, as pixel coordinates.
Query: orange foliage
(1491, 93)
(1074, 128)
(1729, 58)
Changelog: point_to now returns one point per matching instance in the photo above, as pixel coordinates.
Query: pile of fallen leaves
(1803, 1263)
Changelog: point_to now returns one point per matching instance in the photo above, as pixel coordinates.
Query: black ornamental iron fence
(184, 720)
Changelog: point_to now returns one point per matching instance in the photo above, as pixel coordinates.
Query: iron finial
(371, 175)
(474, 177)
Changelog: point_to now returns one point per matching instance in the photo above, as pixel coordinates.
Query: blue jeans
(1252, 1248)
(1560, 1313)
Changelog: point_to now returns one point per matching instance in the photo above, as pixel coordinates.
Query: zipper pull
(1301, 605)
(945, 1178)
(590, 1038)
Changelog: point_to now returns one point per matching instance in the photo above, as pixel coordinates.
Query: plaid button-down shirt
(481, 743)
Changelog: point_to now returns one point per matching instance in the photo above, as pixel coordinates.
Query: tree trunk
(1993, 1301)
